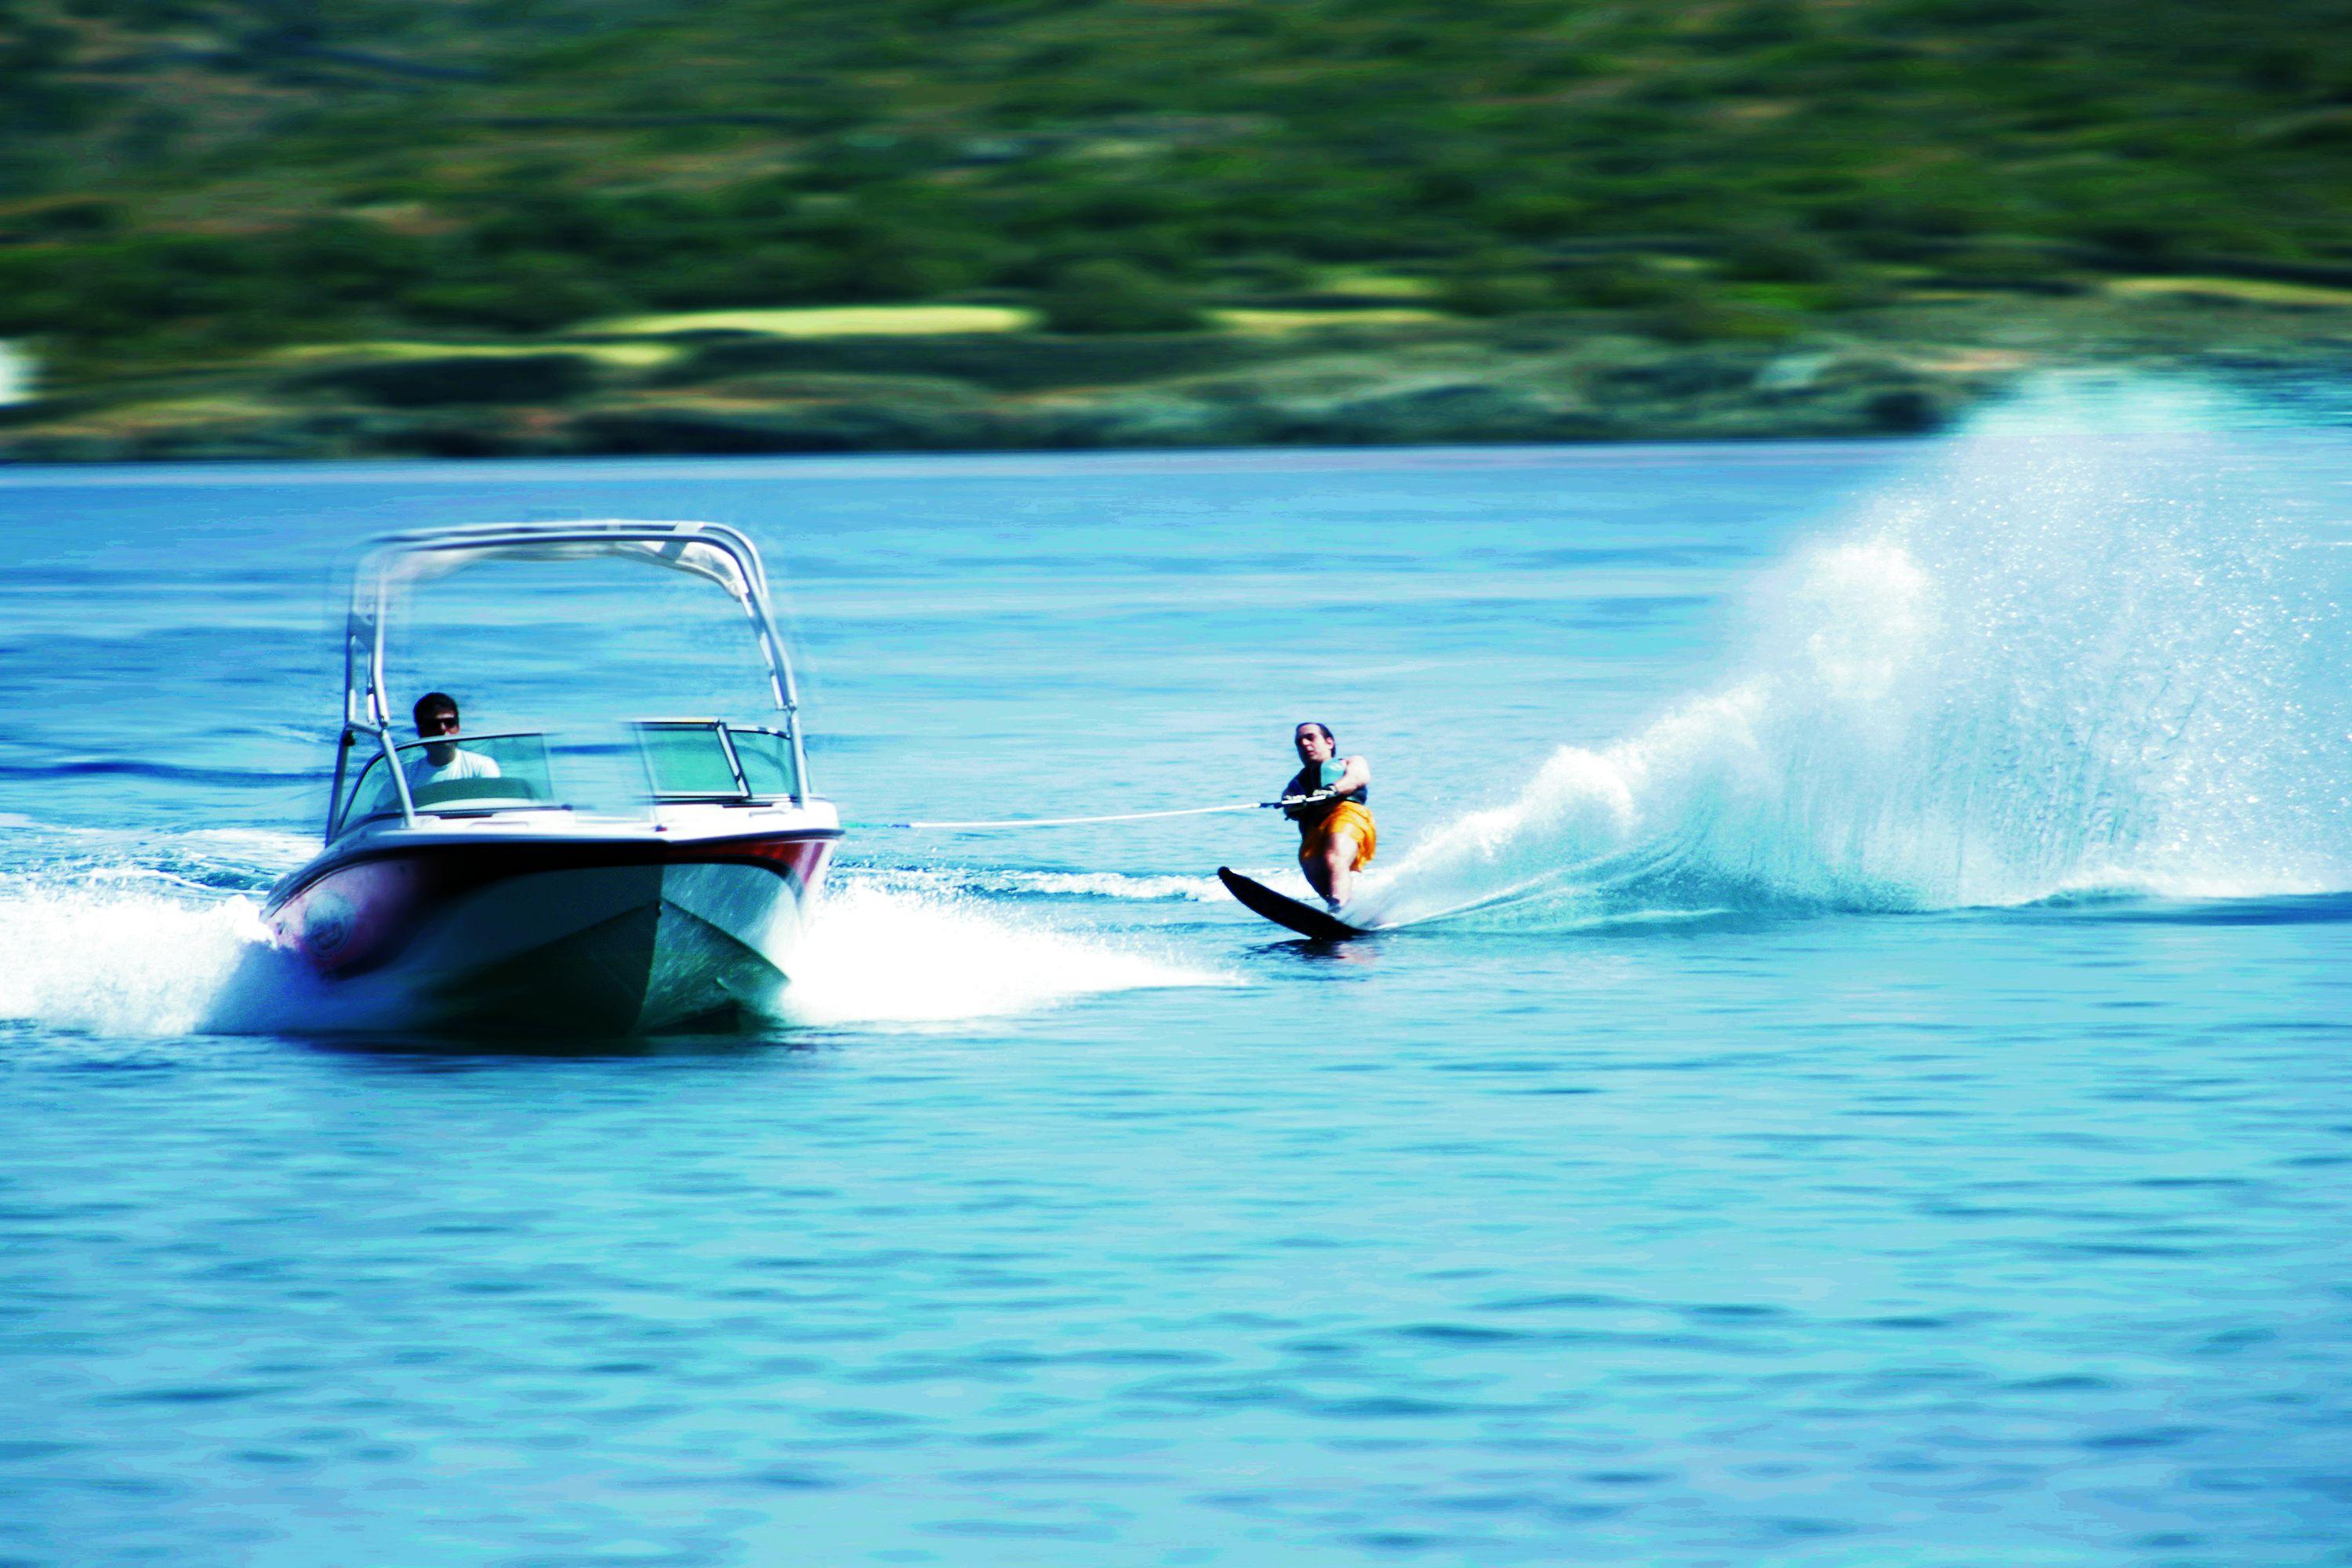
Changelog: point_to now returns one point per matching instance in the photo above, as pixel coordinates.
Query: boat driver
(1336, 835)
(443, 762)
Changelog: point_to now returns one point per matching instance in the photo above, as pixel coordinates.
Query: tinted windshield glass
(766, 756)
(488, 773)
(688, 758)
(701, 759)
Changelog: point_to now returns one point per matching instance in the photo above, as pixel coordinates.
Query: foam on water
(226, 858)
(130, 931)
(2080, 650)
(145, 945)
(878, 955)
(118, 960)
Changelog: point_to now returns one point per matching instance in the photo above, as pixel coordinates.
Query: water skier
(1336, 835)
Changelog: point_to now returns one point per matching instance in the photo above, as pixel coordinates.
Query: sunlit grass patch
(1275, 321)
(1968, 361)
(831, 321)
(17, 374)
(624, 357)
(1364, 283)
(132, 419)
(2248, 290)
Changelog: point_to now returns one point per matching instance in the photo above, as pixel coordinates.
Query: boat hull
(560, 936)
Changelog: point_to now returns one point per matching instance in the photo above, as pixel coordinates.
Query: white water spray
(880, 956)
(127, 936)
(2061, 659)
(118, 960)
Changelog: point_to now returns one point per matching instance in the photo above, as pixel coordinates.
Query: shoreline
(1542, 381)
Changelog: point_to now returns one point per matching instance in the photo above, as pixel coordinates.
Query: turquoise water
(1862, 1079)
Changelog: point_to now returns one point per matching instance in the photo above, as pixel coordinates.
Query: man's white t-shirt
(462, 764)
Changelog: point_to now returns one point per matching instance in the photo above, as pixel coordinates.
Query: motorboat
(491, 893)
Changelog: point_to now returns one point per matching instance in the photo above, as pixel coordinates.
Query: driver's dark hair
(1317, 725)
(432, 702)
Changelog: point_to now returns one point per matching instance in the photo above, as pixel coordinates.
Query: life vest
(1307, 815)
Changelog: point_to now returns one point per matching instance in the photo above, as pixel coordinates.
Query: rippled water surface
(1861, 1079)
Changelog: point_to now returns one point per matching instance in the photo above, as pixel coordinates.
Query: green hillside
(193, 185)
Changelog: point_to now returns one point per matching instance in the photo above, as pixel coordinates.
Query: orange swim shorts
(1348, 817)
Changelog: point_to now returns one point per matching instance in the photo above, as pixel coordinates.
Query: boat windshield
(706, 759)
(680, 758)
(765, 756)
(466, 774)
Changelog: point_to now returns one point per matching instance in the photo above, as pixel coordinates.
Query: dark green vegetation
(1681, 195)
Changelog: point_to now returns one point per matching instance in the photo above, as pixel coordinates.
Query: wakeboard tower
(514, 896)
(1305, 919)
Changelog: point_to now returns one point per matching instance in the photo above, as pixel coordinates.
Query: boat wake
(879, 955)
(108, 956)
(2086, 650)
(160, 934)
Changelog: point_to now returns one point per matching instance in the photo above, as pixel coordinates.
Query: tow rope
(1077, 821)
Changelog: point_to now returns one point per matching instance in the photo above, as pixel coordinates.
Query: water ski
(1303, 919)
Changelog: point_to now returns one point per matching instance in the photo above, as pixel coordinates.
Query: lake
(1861, 1076)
